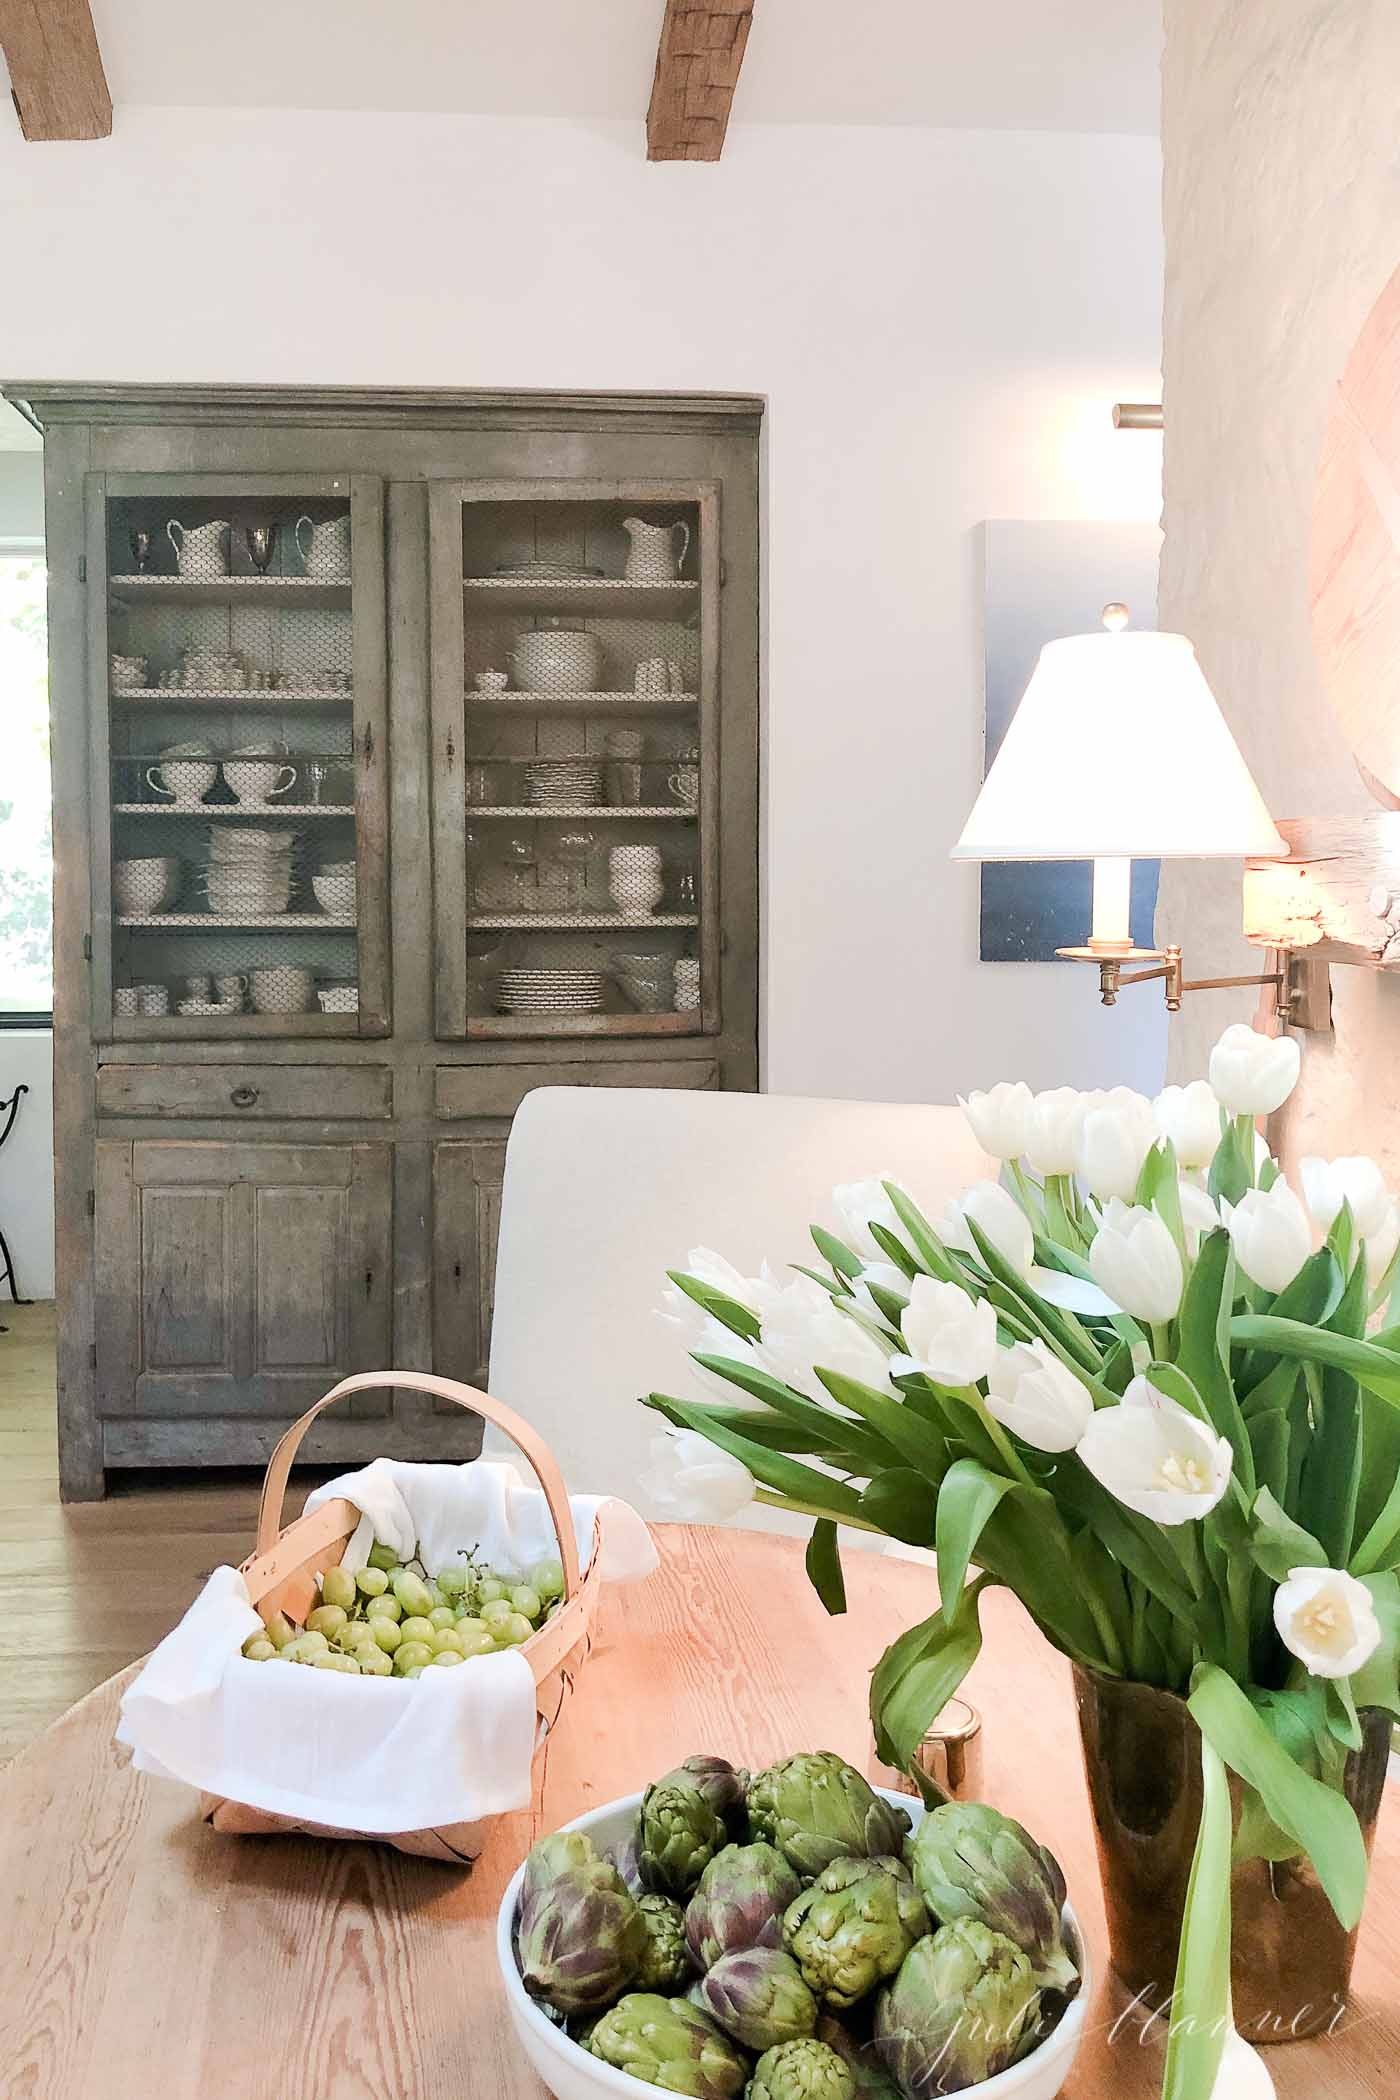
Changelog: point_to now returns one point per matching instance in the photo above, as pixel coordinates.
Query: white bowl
(572, 2074)
(335, 894)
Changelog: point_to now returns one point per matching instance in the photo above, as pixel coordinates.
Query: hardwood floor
(86, 1589)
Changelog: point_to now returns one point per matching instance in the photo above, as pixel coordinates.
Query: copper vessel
(1290, 1958)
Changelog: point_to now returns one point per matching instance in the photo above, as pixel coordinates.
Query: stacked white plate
(249, 873)
(551, 991)
(564, 783)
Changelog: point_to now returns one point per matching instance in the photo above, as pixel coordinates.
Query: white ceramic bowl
(335, 894)
(572, 2074)
(145, 885)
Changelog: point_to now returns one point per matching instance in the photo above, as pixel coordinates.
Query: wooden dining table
(144, 1957)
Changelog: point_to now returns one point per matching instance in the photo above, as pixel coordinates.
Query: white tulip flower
(1381, 1246)
(691, 1481)
(715, 1339)
(1155, 1458)
(1271, 1235)
(1253, 1074)
(1190, 1117)
(1198, 1214)
(1037, 1398)
(1327, 1619)
(948, 1335)
(856, 1203)
(804, 1330)
(1329, 1183)
(1134, 1259)
(1052, 1128)
(885, 1277)
(997, 1216)
(1000, 1118)
(1115, 1136)
(707, 1267)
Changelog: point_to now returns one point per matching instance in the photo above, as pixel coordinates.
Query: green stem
(1161, 1333)
(1244, 1138)
(1006, 1450)
(812, 1509)
(1381, 1540)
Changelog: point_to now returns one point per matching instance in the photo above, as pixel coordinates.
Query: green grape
(412, 1592)
(306, 1647)
(338, 1587)
(382, 1556)
(547, 1576)
(452, 1581)
(511, 1631)
(447, 1637)
(436, 1592)
(327, 1619)
(445, 1657)
(496, 1612)
(384, 1608)
(416, 1671)
(279, 1629)
(258, 1648)
(412, 1655)
(476, 1642)
(371, 1582)
(385, 1634)
(374, 1662)
(346, 1664)
(491, 1590)
(527, 1601)
(468, 1625)
(418, 1628)
(442, 1615)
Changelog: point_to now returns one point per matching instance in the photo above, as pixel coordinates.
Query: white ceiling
(1051, 65)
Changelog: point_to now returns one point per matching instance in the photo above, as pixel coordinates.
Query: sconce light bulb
(1115, 617)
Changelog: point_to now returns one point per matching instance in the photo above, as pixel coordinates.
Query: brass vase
(1290, 1961)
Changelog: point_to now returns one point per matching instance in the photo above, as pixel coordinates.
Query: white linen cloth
(386, 1754)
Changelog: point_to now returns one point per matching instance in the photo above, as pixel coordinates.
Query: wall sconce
(1118, 751)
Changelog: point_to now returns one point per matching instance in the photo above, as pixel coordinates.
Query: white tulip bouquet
(1146, 1386)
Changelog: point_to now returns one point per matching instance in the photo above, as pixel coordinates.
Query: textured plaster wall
(1282, 222)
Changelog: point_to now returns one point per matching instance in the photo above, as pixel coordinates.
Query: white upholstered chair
(606, 1188)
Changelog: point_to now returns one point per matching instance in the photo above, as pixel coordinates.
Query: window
(26, 827)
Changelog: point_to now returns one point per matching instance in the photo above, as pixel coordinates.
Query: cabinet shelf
(512, 703)
(509, 1025)
(593, 594)
(571, 922)
(603, 812)
(266, 698)
(216, 922)
(223, 812)
(301, 591)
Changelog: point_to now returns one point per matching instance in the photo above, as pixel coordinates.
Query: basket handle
(531, 1445)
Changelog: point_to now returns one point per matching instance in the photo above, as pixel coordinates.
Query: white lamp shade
(1118, 750)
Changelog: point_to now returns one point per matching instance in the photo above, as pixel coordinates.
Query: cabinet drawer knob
(243, 1096)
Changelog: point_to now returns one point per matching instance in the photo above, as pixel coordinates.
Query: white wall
(940, 321)
(1282, 205)
(26, 1161)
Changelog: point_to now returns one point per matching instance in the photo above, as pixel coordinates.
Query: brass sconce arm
(1289, 979)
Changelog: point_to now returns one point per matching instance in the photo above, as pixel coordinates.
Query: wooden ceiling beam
(56, 78)
(697, 69)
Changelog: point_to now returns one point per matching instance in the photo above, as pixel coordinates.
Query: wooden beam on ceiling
(56, 78)
(697, 68)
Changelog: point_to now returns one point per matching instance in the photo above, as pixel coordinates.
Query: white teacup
(199, 986)
(153, 999)
(280, 990)
(186, 773)
(230, 989)
(257, 779)
(684, 785)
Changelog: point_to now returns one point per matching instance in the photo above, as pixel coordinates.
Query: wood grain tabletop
(145, 1958)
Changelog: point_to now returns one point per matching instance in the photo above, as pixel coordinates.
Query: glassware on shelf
(521, 856)
(576, 848)
(623, 770)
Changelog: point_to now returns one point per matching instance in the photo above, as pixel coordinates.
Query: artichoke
(970, 1861)
(579, 1937)
(626, 1857)
(678, 1834)
(816, 1808)
(872, 2081)
(804, 2070)
(758, 1996)
(853, 1928)
(958, 2011)
(665, 1963)
(725, 1789)
(740, 1902)
(669, 2042)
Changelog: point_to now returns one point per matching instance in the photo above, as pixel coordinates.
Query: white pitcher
(652, 555)
(200, 550)
(326, 548)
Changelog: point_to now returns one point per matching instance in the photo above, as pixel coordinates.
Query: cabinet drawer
(327, 1092)
(498, 1090)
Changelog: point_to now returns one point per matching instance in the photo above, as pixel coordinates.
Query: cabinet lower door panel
(238, 1278)
(466, 1219)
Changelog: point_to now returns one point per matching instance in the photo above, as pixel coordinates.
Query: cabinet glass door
(239, 760)
(575, 630)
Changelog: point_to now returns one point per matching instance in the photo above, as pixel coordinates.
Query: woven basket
(281, 1576)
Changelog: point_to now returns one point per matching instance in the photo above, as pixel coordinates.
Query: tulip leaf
(775, 1432)
(824, 1567)
(898, 1426)
(728, 1311)
(1203, 1346)
(1342, 1237)
(967, 1497)
(1331, 1481)
(924, 1240)
(1060, 1329)
(1269, 1435)
(1376, 1682)
(833, 1290)
(888, 1303)
(1277, 1544)
(1381, 1546)
(919, 1673)
(807, 1414)
(773, 1468)
(1200, 2005)
(1231, 1170)
(901, 1502)
(1135, 1543)
(1316, 1816)
(1378, 1369)
(841, 1257)
(896, 1251)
